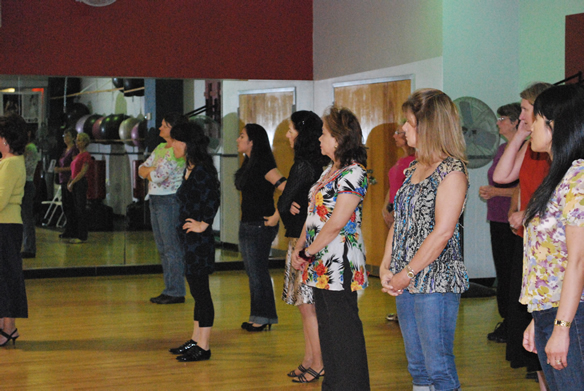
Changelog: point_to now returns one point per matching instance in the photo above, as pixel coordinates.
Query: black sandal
(315, 376)
(301, 368)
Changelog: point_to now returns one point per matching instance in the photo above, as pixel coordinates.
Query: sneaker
(195, 354)
(499, 335)
(165, 299)
(76, 241)
(391, 317)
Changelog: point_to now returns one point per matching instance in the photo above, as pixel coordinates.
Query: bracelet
(280, 181)
(411, 273)
(562, 323)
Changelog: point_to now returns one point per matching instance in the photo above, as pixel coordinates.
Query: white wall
(356, 36)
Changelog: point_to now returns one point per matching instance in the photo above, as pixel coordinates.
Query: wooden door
(272, 109)
(378, 107)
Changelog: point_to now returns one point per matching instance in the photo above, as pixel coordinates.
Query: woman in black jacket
(304, 129)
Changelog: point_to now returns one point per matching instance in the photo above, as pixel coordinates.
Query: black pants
(341, 338)
(68, 209)
(502, 244)
(204, 310)
(79, 223)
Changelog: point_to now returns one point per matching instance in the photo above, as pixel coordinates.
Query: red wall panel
(574, 44)
(235, 39)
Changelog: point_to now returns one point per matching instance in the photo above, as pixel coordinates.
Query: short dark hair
(512, 110)
(174, 118)
(13, 130)
(345, 128)
(309, 128)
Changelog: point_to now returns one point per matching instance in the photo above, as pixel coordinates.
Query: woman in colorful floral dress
(422, 265)
(553, 264)
(331, 252)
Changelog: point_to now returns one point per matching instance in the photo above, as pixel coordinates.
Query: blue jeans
(572, 377)
(28, 223)
(255, 242)
(427, 323)
(164, 215)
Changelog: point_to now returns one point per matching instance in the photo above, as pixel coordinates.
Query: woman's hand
(529, 338)
(193, 225)
(70, 186)
(145, 171)
(398, 283)
(297, 262)
(516, 220)
(387, 217)
(385, 276)
(271, 221)
(487, 192)
(557, 347)
(294, 208)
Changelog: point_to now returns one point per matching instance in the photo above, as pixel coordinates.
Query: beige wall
(358, 36)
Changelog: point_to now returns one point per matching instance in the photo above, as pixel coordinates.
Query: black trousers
(68, 209)
(502, 244)
(79, 223)
(204, 312)
(341, 338)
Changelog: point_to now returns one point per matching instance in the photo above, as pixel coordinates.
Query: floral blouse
(415, 217)
(326, 271)
(167, 177)
(545, 251)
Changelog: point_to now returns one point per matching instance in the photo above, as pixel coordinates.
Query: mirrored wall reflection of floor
(112, 248)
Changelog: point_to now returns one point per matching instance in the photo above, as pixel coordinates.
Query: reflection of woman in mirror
(198, 198)
(13, 303)
(164, 173)
(31, 159)
(64, 171)
(256, 179)
(77, 185)
(304, 129)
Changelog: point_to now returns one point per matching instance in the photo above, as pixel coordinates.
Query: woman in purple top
(64, 171)
(498, 199)
(396, 174)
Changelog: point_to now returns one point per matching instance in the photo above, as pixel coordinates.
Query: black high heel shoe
(253, 328)
(185, 347)
(9, 337)
(315, 376)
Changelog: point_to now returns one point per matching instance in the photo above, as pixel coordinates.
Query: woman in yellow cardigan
(13, 139)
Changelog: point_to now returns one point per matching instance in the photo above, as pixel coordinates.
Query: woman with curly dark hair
(304, 130)
(198, 198)
(13, 139)
(331, 252)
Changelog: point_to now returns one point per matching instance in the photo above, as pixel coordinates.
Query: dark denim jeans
(28, 223)
(164, 215)
(255, 242)
(427, 323)
(572, 377)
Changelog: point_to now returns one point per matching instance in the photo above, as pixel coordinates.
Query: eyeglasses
(501, 119)
(397, 132)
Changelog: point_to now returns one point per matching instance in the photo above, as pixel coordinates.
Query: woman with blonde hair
(422, 265)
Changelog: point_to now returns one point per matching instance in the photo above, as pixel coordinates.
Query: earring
(7, 144)
(336, 146)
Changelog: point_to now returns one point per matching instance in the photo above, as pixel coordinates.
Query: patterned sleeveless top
(415, 207)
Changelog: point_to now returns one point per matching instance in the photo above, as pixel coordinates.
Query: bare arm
(449, 202)
(384, 274)
(77, 178)
(488, 192)
(509, 165)
(572, 286)
(274, 176)
(387, 216)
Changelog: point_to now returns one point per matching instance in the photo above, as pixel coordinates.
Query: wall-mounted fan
(97, 3)
(479, 125)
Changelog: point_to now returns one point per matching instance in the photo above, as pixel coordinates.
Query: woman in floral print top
(331, 252)
(553, 262)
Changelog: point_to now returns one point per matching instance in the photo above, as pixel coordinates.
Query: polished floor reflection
(101, 333)
(112, 248)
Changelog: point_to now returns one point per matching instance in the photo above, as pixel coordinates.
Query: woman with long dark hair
(304, 130)
(331, 252)
(198, 198)
(553, 264)
(257, 178)
(422, 265)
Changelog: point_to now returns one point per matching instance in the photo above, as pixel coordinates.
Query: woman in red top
(78, 186)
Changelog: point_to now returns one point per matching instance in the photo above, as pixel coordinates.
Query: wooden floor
(101, 333)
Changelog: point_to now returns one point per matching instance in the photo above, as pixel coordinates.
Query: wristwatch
(411, 273)
(562, 323)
